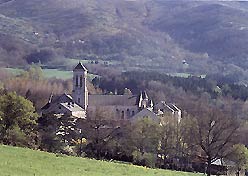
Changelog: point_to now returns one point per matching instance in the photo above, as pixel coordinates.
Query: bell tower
(80, 92)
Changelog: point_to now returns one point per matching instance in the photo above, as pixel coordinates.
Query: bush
(146, 159)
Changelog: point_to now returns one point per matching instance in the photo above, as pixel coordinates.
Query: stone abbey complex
(123, 107)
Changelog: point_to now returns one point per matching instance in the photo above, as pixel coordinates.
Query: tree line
(212, 127)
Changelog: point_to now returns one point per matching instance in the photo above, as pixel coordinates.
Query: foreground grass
(25, 162)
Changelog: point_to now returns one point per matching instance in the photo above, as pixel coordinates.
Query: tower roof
(80, 66)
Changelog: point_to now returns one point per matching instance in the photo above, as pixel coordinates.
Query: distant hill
(172, 36)
(20, 161)
(219, 29)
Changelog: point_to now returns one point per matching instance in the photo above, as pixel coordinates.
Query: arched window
(122, 114)
(81, 81)
(128, 113)
(78, 100)
(77, 81)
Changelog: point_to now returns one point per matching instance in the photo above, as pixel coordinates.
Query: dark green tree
(17, 120)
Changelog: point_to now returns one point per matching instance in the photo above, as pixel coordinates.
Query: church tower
(80, 92)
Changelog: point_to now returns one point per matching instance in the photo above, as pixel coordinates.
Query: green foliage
(34, 72)
(55, 136)
(145, 159)
(18, 120)
(239, 156)
(19, 161)
(145, 135)
(16, 137)
(136, 80)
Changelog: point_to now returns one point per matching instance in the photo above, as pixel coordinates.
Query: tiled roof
(107, 100)
(145, 113)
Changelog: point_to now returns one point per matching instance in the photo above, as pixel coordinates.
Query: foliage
(34, 86)
(40, 56)
(57, 133)
(34, 72)
(18, 120)
(100, 129)
(136, 80)
(145, 159)
(145, 135)
(239, 156)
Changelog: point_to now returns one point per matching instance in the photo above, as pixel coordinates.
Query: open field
(49, 73)
(184, 75)
(62, 74)
(25, 162)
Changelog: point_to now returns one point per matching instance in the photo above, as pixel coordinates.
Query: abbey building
(123, 107)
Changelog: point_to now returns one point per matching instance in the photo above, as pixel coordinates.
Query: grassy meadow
(50, 73)
(25, 162)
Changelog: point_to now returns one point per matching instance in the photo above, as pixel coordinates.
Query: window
(78, 100)
(128, 113)
(77, 81)
(81, 81)
(122, 114)
(133, 113)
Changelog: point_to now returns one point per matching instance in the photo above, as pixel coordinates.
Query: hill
(20, 161)
(173, 36)
(218, 29)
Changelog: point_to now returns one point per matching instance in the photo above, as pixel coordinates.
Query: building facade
(123, 107)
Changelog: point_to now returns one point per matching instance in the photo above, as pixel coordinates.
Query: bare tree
(213, 133)
(99, 129)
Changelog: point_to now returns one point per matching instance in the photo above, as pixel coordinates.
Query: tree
(100, 128)
(58, 133)
(169, 142)
(17, 120)
(213, 134)
(145, 138)
(34, 72)
(239, 156)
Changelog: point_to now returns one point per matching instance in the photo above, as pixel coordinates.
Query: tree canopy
(17, 120)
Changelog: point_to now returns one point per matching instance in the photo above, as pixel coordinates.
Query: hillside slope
(20, 161)
(219, 29)
(159, 35)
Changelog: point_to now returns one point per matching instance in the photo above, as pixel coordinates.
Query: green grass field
(50, 73)
(25, 162)
(184, 75)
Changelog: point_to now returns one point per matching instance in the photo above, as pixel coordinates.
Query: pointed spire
(80, 66)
